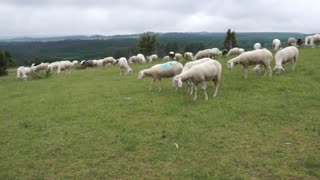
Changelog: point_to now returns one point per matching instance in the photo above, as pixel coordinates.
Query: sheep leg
(120, 72)
(152, 82)
(294, 61)
(160, 85)
(216, 88)
(204, 87)
(191, 88)
(195, 92)
(245, 71)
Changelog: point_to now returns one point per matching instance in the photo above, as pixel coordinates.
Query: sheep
(241, 51)
(285, 55)
(75, 62)
(152, 57)
(23, 72)
(178, 56)
(39, 67)
(257, 46)
(307, 40)
(188, 55)
(188, 65)
(204, 53)
(100, 62)
(292, 41)
(110, 60)
(123, 64)
(52, 66)
(235, 51)
(64, 65)
(159, 71)
(141, 58)
(276, 44)
(224, 52)
(166, 58)
(220, 53)
(87, 64)
(172, 55)
(215, 52)
(255, 57)
(201, 73)
(314, 39)
(133, 59)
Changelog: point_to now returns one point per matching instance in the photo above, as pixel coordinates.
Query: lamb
(276, 43)
(285, 55)
(188, 55)
(201, 73)
(292, 41)
(23, 72)
(152, 57)
(255, 57)
(141, 58)
(123, 64)
(178, 56)
(188, 65)
(204, 53)
(235, 51)
(257, 46)
(159, 71)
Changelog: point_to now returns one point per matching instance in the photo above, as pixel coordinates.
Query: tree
(230, 41)
(147, 43)
(3, 64)
(11, 62)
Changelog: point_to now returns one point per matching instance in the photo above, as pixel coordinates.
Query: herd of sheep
(201, 69)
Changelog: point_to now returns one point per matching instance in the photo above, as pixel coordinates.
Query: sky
(111, 17)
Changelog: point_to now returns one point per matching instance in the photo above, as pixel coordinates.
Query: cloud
(70, 17)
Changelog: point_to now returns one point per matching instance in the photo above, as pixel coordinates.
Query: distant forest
(25, 51)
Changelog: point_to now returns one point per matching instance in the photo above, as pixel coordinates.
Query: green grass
(95, 124)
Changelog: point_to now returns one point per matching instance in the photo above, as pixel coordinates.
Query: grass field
(95, 124)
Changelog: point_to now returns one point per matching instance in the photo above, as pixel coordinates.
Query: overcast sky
(109, 17)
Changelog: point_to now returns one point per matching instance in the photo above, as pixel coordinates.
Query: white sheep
(75, 62)
(257, 46)
(152, 57)
(23, 72)
(123, 64)
(235, 51)
(110, 60)
(159, 71)
(201, 73)
(100, 62)
(64, 65)
(220, 53)
(292, 41)
(177, 56)
(285, 55)
(241, 50)
(276, 44)
(307, 40)
(255, 57)
(188, 65)
(314, 39)
(204, 53)
(133, 59)
(141, 58)
(166, 58)
(39, 67)
(188, 55)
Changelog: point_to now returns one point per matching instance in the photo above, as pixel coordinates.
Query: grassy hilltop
(95, 124)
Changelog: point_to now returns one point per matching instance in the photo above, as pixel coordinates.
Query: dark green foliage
(3, 64)
(40, 75)
(147, 43)
(194, 47)
(230, 40)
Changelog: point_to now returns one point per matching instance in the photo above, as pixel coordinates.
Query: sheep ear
(179, 82)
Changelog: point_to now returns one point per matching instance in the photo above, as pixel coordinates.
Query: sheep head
(177, 82)
(230, 64)
(141, 75)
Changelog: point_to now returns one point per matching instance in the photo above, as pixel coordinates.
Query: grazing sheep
(87, 64)
(110, 60)
(75, 62)
(133, 59)
(100, 63)
(307, 40)
(314, 39)
(292, 41)
(224, 52)
(241, 50)
(23, 72)
(166, 58)
(123, 64)
(209, 53)
(188, 55)
(178, 56)
(285, 55)
(276, 44)
(172, 54)
(141, 58)
(201, 73)
(255, 57)
(220, 53)
(152, 57)
(188, 65)
(159, 71)
(257, 46)
(39, 67)
(64, 65)
(235, 51)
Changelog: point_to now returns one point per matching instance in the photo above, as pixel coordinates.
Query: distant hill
(97, 46)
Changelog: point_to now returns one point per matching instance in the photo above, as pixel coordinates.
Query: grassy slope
(96, 124)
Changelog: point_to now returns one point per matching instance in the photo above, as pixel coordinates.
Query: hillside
(93, 47)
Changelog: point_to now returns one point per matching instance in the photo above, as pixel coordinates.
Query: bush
(40, 75)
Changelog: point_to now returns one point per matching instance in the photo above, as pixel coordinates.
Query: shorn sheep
(23, 72)
(255, 57)
(123, 64)
(276, 43)
(257, 46)
(159, 71)
(188, 55)
(285, 55)
(201, 73)
(207, 53)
